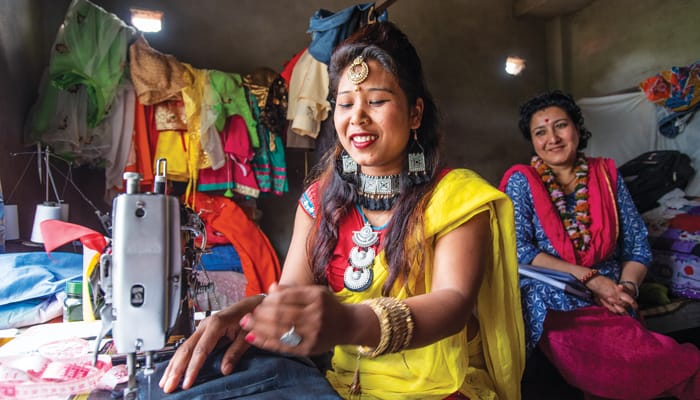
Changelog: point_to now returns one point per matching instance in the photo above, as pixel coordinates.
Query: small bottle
(73, 303)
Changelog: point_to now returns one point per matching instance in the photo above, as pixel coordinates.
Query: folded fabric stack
(676, 253)
(33, 286)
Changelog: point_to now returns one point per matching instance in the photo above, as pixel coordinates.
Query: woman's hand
(316, 315)
(611, 295)
(191, 355)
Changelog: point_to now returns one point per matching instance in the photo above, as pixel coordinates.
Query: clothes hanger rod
(380, 9)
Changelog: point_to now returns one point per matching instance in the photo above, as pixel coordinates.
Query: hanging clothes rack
(380, 9)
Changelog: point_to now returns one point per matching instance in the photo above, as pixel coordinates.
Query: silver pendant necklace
(359, 274)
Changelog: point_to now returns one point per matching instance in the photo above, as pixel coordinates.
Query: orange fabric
(150, 113)
(259, 261)
(208, 208)
(143, 163)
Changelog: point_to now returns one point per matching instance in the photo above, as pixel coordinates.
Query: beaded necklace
(578, 221)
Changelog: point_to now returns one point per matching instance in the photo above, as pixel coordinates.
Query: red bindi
(546, 120)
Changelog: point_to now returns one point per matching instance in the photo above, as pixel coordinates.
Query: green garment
(229, 87)
(90, 49)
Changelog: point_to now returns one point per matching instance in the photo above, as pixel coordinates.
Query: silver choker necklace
(378, 192)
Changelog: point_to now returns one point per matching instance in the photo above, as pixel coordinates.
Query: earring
(349, 165)
(416, 161)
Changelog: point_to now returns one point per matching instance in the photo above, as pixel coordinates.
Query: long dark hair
(385, 43)
(554, 98)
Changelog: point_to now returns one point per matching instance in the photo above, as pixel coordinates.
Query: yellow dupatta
(192, 96)
(438, 370)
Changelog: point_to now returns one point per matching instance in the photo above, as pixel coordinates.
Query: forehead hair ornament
(358, 71)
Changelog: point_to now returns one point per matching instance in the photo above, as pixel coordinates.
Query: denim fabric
(258, 375)
(328, 29)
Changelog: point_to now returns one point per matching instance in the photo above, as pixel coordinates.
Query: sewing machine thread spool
(44, 211)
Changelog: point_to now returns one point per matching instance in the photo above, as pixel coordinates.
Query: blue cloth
(538, 297)
(328, 29)
(222, 258)
(30, 283)
(28, 276)
(674, 123)
(258, 375)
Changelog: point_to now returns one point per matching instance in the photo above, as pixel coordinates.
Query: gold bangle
(384, 327)
(402, 326)
(396, 326)
(395, 323)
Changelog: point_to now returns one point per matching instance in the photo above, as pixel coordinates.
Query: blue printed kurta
(538, 297)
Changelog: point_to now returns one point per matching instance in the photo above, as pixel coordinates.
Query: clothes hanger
(380, 9)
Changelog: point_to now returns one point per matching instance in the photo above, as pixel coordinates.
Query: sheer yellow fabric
(440, 369)
(192, 96)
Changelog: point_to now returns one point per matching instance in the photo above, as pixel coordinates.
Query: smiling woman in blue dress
(574, 214)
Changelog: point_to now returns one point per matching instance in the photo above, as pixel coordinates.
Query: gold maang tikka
(358, 71)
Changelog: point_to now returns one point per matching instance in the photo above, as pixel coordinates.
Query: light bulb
(515, 65)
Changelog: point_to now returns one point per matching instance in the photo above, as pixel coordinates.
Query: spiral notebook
(558, 279)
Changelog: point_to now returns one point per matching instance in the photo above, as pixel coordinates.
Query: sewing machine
(146, 276)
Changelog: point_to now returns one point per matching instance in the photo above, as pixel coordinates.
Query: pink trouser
(613, 356)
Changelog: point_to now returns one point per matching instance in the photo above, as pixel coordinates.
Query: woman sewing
(392, 257)
(574, 214)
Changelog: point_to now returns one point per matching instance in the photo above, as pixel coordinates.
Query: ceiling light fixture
(146, 20)
(515, 65)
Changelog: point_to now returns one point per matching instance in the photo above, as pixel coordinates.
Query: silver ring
(290, 338)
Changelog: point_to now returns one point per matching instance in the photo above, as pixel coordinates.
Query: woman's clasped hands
(611, 295)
